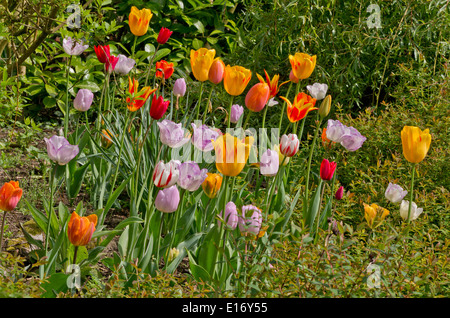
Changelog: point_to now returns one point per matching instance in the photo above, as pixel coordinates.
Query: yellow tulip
(212, 184)
(416, 143)
(201, 61)
(374, 213)
(302, 65)
(231, 154)
(138, 20)
(235, 79)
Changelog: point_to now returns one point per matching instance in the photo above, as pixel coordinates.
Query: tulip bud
(269, 163)
(339, 193)
(191, 176)
(231, 215)
(80, 229)
(10, 194)
(327, 169)
(212, 184)
(179, 87)
(257, 97)
(158, 107)
(164, 35)
(415, 211)
(236, 113)
(83, 100)
(60, 150)
(124, 65)
(325, 107)
(216, 71)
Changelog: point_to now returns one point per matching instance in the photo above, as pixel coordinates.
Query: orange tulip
(216, 71)
(138, 20)
(80, 229)
(166, 67)
(10, 194)
(303, 104)
(302, 65)
(137, 100)
(212, 184)
(235, 79)
(257, 97)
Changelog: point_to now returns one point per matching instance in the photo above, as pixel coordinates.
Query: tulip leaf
(209, 250)
(314, 206)
(199, 273)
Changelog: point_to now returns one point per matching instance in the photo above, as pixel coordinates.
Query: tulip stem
(199, 102)
(66, 115)
(411, 192)
(229, 111)
(50, 206)
(247, 119)
(284, 106)
(75, 255)
(174, 230)
(1, 234)
(316, 133)
(120, 151)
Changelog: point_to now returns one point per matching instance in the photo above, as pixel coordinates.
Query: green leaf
(93, 87)
(199, 273)
(55, 284)
(313, 208)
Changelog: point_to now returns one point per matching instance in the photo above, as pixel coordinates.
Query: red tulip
(158, 107)
(102, 52)
(166, 67)
(164, 35)
(112, 62)
(327, 169)
(339, 193)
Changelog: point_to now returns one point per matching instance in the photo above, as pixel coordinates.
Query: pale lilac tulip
(415, 211)
(167, 199)
(172, 134)
(191, 176)
(124, 65)
(335, 130)
(349, 137)
(60, 150)
(272, 102)
(236, 113)
(395, 193)
(179, 87)
(289, 145)
(250, 220)
(202, 137)
(166, 174)
(269, 163)
(317, 90)
(231, 215)
(83, 100)
(74, 47)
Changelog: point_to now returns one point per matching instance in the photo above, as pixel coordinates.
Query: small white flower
(415, 211)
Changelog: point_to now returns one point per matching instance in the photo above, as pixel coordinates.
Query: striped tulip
(137, 99)
(289, 145)
(166, 174)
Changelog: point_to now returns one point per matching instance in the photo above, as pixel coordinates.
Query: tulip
(83, 100)
(415, 211)
(137, 100)
(335, 130)
(191, 176)
(158, 107)
(339, 193)
(269, 163)
(231, 154)
(80, 229)
(166, 174)
(317, 90)
(172, 134)
(102, 52)
(164, 35)
(106, 138)
(289, 145)
(10, 194)
(302, 65)
(327, 169)
(272, 102)
(292, 77)
(395, 193)
(216, 71)
(273, 83)
(203, 136)
(74, 47)
(173, 253)
(235, 79)
(231, 215)
(349, 137)
(212, 184)
(236, 113)
(138, 20)
(166, 67)
(302, 105)
(60, 150)
(111, 63)
(250, 220)
(167, 200)
(374, 215)
(325, 107)
(257, 97)
(415, 143)
(179, 87)
(124, 65)
(201, 61)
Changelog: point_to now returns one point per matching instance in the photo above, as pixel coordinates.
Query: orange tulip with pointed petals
(138, 20)
(273, 83)
(303, 104)
(80, 229)
(10, 194)
(137, 100)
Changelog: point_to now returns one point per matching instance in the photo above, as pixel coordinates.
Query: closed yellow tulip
(201, 61)
(302, 65)
(374, 213)
(212, 184)
(415, 143)
(235, 79)
(138, 20)
(231, 154)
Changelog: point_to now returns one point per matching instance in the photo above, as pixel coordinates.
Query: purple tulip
(349, 137)
(250, 220)
(270, 162)
(202, 136)
(231, 215)
(74, 47)
(179, 87)
(83, 100)
(167, 199)
(236, 113)
(60, 150)
(191, 176)
(395, 193)
(172, 134)
(124, 65)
